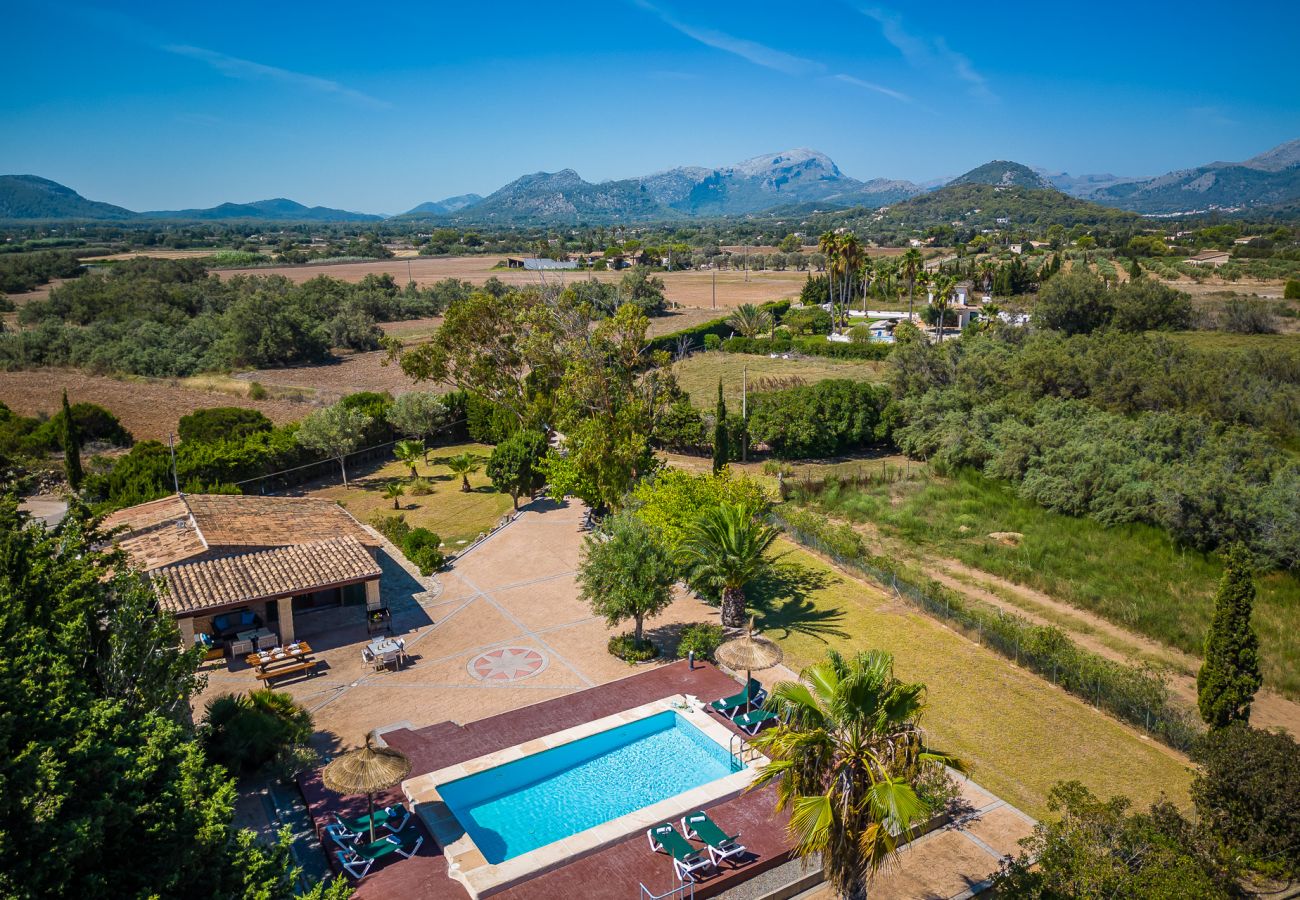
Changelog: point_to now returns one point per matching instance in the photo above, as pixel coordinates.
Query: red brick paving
(609, 874)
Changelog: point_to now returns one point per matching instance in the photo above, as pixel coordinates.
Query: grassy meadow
(1018, 732)
(1132, 575)
(454, 515)
(698, 374)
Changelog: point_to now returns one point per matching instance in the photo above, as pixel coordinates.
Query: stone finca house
(216, 558)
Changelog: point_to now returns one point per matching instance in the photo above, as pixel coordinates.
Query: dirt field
(690, 289)
(157, 254)
(149, 409)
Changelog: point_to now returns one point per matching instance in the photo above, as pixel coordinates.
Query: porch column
(285, 608)
(372, 594)
(186, 625)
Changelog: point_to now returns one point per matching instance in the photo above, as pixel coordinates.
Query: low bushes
(420, 545)
(248, 732)
(809, 346)
(702, 638)
(625, 647)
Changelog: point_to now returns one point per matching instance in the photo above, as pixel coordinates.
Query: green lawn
(698, 374)
(1226, 342)
(1132, 575)
(456, 516)
(1019, 734)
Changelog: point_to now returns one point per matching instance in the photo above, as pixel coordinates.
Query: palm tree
(393, 491)
(845, 754)
(943, 288)
(850, 261)
(464, 465)
(913, 264)
(749, 320)
(829, 244)
(865, 272)
(409, 453)
(986, 269)
(725, 549)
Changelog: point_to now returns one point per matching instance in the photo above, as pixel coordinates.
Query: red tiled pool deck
(613, 872)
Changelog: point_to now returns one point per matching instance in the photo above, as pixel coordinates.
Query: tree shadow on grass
(781, 601)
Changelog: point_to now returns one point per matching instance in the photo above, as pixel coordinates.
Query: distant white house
(534, 264)
(1016, 248)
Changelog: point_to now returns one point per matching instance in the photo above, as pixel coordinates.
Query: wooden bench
(300, 666)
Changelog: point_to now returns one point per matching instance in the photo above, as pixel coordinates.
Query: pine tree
(71, 448)
(721, 442)
(1134, 269)
(1229, 676)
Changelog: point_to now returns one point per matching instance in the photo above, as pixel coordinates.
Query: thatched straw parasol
(367, 770)
(748, 652)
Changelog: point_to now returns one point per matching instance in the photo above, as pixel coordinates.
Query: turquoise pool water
(519, 806)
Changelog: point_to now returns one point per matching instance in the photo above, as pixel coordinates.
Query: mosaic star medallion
(507, 664)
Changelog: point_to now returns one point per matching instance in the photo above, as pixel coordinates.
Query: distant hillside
(1270, 179)
(277, 210)
(1002, 173)
(443, 207)
(978, 205)
(32, 197)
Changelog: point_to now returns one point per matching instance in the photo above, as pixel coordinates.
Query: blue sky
(378, 108)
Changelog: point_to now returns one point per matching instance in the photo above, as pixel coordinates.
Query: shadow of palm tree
(781, 601)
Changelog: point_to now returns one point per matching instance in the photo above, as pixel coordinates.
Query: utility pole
(744, 414)
(715, 285)
(171, 445)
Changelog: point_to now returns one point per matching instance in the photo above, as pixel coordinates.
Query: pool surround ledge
(467, 864)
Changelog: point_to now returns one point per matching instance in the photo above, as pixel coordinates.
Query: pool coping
(467, 864)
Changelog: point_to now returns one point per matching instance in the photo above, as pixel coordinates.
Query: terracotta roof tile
(297, 569)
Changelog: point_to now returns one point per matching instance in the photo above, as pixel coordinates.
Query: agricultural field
(458, 517)
(148, 407)
(687, 288)
(1226, 342)
(1130, 575)
(1019, 733)
(699, 373)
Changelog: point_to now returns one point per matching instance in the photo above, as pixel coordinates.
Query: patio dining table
(295, 652)
(380, 648)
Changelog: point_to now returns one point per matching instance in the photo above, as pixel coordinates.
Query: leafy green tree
(1075, 302)
(1292, 289)
(1245, 793)
(627, 573)
(643, 290)
(1095, 849)
(515, 464)
(335, 431)
(845, 756)
(417, 414)
(1145, 304)
(809, 320)
(71, 448)
(721, 447)
(1134, 269)
(1229, 675)
(725, 549)
(107, 791)
(409, 453)
(673, 499)
(464, 465)
(790, 244)
(222, 423)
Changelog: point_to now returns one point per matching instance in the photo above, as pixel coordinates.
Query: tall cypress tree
(1229, 676)
(721, 441)
(71, 448)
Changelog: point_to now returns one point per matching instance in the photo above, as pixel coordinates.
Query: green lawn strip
(455, 516)
(1019, 733)
(698, 374)
(1132, 575)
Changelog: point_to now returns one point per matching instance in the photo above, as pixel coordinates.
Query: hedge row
(719, 327)
(812, 345)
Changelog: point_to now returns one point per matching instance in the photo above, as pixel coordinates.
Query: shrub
(860, 334)
(701, 637)
(395, 528)
(221, 423)
(256, 391)
(246, 732)
(93, 423)
(1247, 317)
(1246, 792)
(422, 548)
(1292, 289)
(419, 487)
(809, 320)
(625, 647)
(819, 419)
(712, 342)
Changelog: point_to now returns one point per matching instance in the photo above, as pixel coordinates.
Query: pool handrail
(685, 890)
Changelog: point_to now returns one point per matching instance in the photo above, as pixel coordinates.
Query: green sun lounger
(686, 859)
(392, 818)
(754, 719)
(722, 846)
(356, 861)
(729, 706)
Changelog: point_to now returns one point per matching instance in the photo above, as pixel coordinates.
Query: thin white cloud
(872, 86)
(927, 51)
(234, 67)
(1211, 115)
(754, 52)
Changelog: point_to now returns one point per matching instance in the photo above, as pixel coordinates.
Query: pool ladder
(737, 747)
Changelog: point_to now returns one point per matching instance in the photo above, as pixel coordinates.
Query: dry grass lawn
(458, 517)
(1019, 733)
(698, 374)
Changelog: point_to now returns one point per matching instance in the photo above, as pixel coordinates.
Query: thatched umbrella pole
(365, 771)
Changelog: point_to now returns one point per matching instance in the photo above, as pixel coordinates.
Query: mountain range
(799, 179)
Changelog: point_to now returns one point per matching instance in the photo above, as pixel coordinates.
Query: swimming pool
(519, 806)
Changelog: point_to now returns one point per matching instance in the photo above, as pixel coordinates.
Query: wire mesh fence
(1137, 695)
